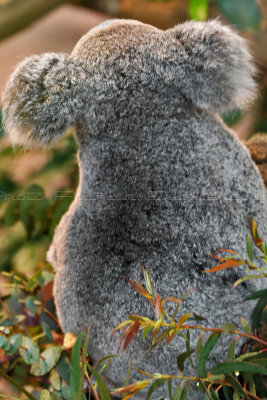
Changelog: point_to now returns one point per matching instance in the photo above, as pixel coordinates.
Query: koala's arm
(210, 64)
(42, 98)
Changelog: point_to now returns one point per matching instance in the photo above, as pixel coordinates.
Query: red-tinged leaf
(143, 372)
(158, 309)
(182, 319)
(162, 336)
(156, 330)
(172, 299)
(258, 242)
(214, 256)
(133, 388)
(186, 294)
(131, 334)
(118, 327)
(125, 332)
(254, 234)
(137, 286)
(224, 265)
(229, 251)
(170, 337)
(47, 291)
(143, 320)
(149, 286)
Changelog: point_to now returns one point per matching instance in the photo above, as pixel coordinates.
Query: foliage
(222, 378)
(27, 215)
(37, 360)
(235, 259)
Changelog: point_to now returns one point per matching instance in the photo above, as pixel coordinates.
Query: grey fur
(163, 182)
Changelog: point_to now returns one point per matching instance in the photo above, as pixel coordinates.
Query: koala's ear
(211, 64)
(42, 98)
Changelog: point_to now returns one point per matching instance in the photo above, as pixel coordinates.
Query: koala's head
(205, 63)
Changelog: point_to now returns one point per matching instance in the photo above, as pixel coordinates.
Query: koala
(163, 182)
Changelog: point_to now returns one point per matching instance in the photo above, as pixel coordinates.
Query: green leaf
(236, 395)
(182, 357)
(243, 14)
(31, 303)
(103, 391)
(29, 351)
(264, 315)
(185, 391)
(148, 283)
(11, 214)
(76, 372)
(256, 295)
(246, 326)
(146, 331)
(47, 331)
(126, 382)
(198, 317)
(213, 394)
(63, 367)
(216, 377)
(257, 313)
(227, 328)
(66, 393)
(260, 385)
(55, 380)
(208, 347)
(9, 322)
(4, 343)
(250, 248)
(231, 351)
(45, 395)
(226, 391)
(48, 360)
(199, 346)
(241, 366)
(198, 9)
(154, 387)
(15, 342)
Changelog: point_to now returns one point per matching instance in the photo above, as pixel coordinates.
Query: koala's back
(163, 183)
(205, 184)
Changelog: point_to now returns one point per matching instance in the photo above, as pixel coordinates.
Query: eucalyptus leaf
(15, 342)
(9, 322)
(207, 348)
(4, 343)
(29, 351)
(47, 361)
(249, 247)
(45, 395)
(66, 393)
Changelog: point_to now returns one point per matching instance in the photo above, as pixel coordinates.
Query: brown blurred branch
(17, 14)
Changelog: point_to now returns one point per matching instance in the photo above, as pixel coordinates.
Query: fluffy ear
(42, 98)
(211, 64)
